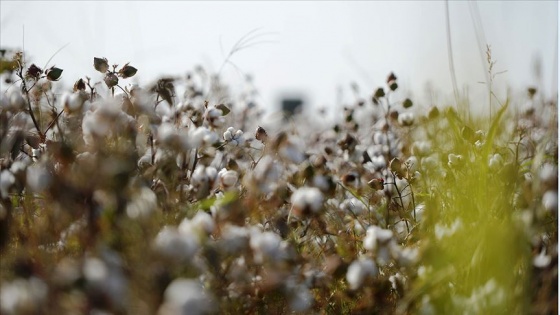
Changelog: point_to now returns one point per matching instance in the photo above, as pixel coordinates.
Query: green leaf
(225, 110)
(379, 93)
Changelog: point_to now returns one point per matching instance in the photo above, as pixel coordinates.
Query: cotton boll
(23, 296)
(301, 298)
(376, 236)
(307, 200)
(105, 276)
(266, 246)
(171, 243)
(204, 221)
(408, 256)
(7, 180)
(378, 162)
(550, 201)
(143, 203)
(228, 136)
(542, 260)
(360, 270)
(38, 178)
(187, 296)
(406, 119)
(234, 238)
(421, 148)
(549, 174)
(228, 178)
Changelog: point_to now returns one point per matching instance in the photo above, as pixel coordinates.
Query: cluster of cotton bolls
(162, 200)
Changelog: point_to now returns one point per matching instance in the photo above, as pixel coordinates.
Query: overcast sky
(310, 47)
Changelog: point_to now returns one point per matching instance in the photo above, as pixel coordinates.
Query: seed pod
(376, 183)
(261, 134)
(111, 80)
(80, 85)
(53, 73)
(33, 72)
(101, 64)
(127, 71)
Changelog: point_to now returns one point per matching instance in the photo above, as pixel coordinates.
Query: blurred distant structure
(291, 105)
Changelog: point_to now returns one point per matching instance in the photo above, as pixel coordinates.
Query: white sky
(314, 48)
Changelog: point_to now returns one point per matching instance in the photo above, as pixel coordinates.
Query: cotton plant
(164, 189)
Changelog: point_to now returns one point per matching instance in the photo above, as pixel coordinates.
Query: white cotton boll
(301, 298)
(238, 134)
(204, 220)
(228, 136)
(359, 270)
(380, 138)
(266, 246)
(143, 203)
(542, 260)
(228, 178)
(549, 174)
(164, 111)
(166, 133)
(550, 201)
(408, 256)
(199, 176)
(401, 229)
(203, 135)
(406, 119)
(23, 296)
(210, 138)
(187, 296)
(376, 236)
(235, 238)
(321, 182)
(74, 103)
(38, 178)
(378, 162)
(171, 243)
(211, 172)
(396, 279)
(7, 180)
(421, 148)
(19, 167)
(307, 199)
(95, 270)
